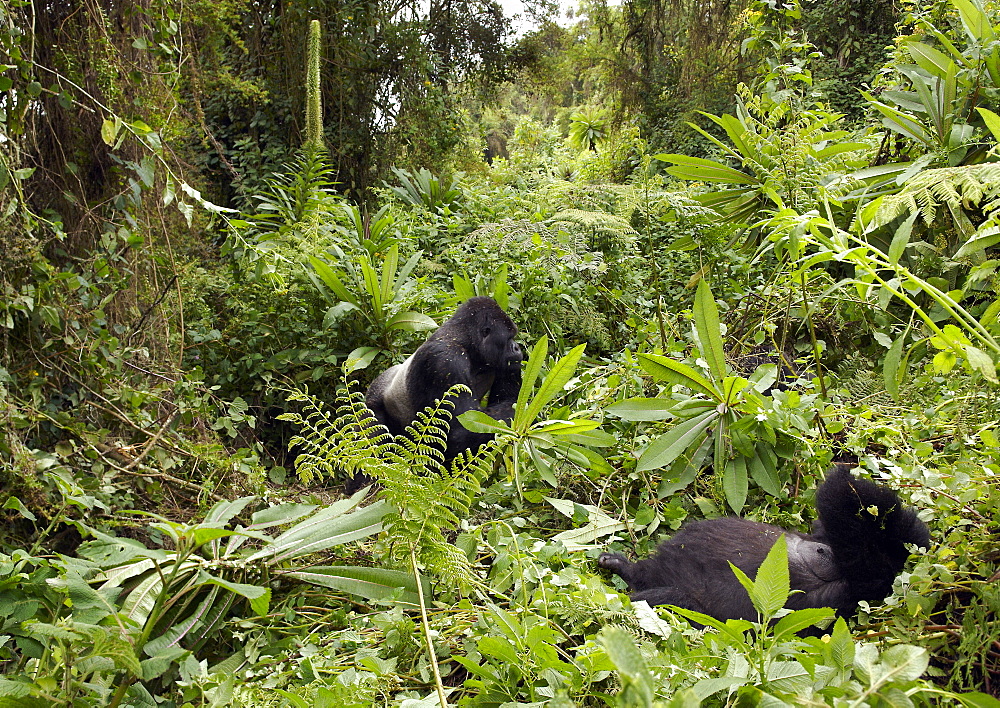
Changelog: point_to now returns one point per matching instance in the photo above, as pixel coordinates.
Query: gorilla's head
(497, 345)
(489, 333)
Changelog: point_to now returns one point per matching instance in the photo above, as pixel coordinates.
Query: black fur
(476, 347)
(852, 555)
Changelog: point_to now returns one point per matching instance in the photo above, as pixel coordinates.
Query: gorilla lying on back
(854, 553)
(475, 347)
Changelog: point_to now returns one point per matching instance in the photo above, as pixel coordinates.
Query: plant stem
(427, 630)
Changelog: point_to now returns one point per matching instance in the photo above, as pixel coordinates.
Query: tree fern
(428, 497)
(610, 234)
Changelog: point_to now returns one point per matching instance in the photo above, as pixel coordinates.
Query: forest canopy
(741, 244)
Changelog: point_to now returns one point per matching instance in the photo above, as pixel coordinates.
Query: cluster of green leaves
(731, 418)
(120, 620)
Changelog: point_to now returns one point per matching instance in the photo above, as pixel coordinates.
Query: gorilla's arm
(439, 366)
(503, 393)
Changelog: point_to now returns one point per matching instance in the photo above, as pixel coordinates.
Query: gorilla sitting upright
(475, 347)
(854, 553)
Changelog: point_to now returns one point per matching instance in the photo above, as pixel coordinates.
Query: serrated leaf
(772, 582)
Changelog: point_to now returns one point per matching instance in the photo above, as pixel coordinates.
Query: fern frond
(958, 188)
(429, 499)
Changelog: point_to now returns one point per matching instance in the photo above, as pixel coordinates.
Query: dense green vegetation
(742, 240)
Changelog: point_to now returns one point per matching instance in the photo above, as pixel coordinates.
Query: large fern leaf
(429, 498)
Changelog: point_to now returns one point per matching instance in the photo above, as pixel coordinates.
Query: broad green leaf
(992, 121)
(706, 319)
(772, 583)
(224, 510)
(280, 514)
(17, 505)
(841, 644)
(901, 239)
(978, 700)
(370, 583)
(977, 23)
(328, 527)
(929, 59)
(764, 473)
(480, 422)
(294, 699)
(567, 427)
(904, 662)
(156, 666)
(980, 241)
(795, 622)
(666, 448)
(731, 387)
(701, 170)
(786, 677)
(598, 526)
(552, 386)
(650, 621)
(332, 281)
(747, 584)
(733, 628)
(259, 597)
(388, 279)
(373, 286)
(532, 369)
(638, 686)
(684, 471)
(891, 371)
(109, 131)
(410, 322)
(542, 464)
(839, 148)
(499, 648)
(203, 535)
(642, 409)
(360, 358)
(734, 481)
(982, 362)
(674, 372)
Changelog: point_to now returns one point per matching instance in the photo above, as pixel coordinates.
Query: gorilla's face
(499, 348)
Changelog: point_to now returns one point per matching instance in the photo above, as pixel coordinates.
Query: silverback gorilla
(854, 553)
(475, 347)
